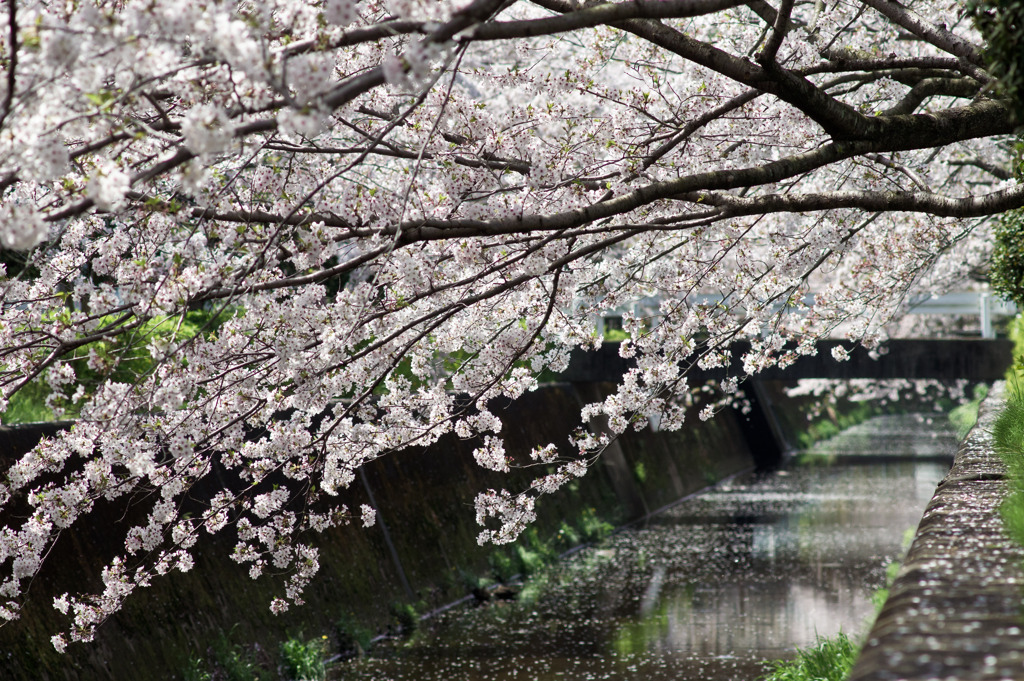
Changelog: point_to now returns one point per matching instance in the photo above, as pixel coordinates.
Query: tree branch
(945, 40)
(12, 64)
(780, 27)
(931, 87)
(997, 171)
(839, 120)
(910, 202)
(600, 14)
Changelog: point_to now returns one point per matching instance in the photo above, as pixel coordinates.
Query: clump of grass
(196, 670)
(1008, 441)
(1012, 511)
(568, 536)
(407, 615)
(538, 586)
(593, 528)
(1008, 436)
(28, 405)
(304, 660)
(829, 659)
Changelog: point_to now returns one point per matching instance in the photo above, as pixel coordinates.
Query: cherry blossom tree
(281, 238)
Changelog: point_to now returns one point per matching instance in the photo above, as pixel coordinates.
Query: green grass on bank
(1008, 438)
(829, 659)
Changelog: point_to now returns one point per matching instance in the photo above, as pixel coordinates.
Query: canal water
(710, 589)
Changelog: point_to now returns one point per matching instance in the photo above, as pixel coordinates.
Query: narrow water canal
(710, 589)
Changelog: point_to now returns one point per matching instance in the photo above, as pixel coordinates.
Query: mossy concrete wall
(425, 502)
(955, 609)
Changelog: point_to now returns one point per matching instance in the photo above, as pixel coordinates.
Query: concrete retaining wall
(955, 609)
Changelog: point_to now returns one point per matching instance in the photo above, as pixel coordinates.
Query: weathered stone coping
(955, 609)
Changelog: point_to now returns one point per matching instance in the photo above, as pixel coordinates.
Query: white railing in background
(960, 303)
(966, 303)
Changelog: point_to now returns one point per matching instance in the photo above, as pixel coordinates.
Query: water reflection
(709, 589)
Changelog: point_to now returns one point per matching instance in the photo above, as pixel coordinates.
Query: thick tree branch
(780, 27)
(600, 14)
(919, 131)
(763, 10)
(997, 171)
(939, 36)
(931, 87)
(911, 202)
(846, 60)
(12, 61)
(357, 36)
